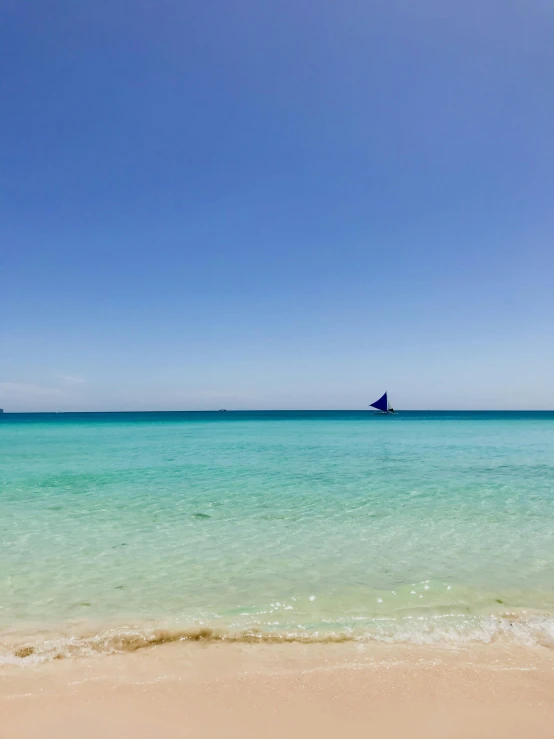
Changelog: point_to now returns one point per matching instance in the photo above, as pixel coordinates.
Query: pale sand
(233, 691)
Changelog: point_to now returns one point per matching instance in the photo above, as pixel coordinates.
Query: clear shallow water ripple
(356, 525)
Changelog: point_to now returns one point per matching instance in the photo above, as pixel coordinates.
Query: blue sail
(382, 404)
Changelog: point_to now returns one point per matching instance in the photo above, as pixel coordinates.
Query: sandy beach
(180, 690)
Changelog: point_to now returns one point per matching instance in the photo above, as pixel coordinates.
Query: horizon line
(286, 410)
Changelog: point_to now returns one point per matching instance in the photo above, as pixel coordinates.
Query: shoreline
(27, 646)
(241, 690)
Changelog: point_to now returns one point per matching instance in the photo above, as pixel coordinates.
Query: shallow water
(418, 527)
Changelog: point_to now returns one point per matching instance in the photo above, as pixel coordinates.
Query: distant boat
(382, 405)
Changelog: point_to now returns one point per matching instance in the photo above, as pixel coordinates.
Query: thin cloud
(73, 379)
(27, 391)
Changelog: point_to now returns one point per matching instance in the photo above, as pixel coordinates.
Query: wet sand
(228, 691)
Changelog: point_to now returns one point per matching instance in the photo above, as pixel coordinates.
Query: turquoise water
(122, 529)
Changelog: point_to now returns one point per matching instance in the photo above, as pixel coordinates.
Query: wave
(130, 640)
(520, 628)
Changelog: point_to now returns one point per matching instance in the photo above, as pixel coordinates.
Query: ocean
(124, 530)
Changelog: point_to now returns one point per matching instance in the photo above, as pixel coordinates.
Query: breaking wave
(519, 628)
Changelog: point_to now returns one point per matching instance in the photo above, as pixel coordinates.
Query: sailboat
(382, 405)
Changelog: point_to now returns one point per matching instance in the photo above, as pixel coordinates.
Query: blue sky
(276, 205)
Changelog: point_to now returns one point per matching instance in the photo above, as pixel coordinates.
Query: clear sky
(260, 204)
